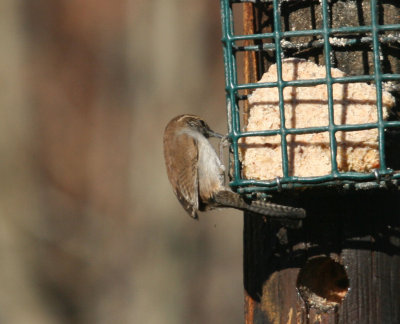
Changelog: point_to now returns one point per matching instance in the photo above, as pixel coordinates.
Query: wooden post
(349, 239)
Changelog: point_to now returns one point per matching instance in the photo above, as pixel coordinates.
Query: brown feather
(182, 168)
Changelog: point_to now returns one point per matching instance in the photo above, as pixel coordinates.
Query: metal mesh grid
(373, 35)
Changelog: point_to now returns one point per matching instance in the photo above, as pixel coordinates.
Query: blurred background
(90, 229)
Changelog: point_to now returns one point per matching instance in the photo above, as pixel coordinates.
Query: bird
(196, 173)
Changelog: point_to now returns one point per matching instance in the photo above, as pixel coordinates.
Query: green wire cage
(276, 42)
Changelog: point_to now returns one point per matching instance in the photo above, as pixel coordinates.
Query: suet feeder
(328, 37)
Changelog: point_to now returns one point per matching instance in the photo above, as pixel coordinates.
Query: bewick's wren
(197, 174)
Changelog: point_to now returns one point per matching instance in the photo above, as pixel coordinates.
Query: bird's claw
(224, 142)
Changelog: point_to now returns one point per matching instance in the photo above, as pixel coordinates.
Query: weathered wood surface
(359, 231)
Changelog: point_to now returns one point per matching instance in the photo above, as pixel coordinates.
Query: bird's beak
(214, 134)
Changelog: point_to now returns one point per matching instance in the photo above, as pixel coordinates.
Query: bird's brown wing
(182, 171)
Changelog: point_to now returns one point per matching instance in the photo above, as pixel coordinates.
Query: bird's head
(195, 123)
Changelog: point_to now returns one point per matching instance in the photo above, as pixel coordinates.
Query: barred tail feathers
(231, 199)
